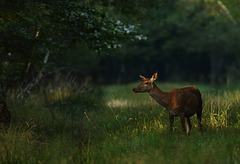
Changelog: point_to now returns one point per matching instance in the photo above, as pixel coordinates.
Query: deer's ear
(154, 77)
(142, 77)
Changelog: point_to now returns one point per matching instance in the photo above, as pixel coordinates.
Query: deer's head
(146, 85)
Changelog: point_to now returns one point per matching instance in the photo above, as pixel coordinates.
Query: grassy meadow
(82, 124)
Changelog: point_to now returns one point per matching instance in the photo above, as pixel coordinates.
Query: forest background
(184, 40)
(68, 68)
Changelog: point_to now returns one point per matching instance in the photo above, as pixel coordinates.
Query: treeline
(186, 41)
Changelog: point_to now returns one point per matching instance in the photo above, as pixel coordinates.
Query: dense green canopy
(34, 33)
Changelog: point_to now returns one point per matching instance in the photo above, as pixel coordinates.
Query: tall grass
(50, 127)
(137, 129)
(75, 124)
(222, 108)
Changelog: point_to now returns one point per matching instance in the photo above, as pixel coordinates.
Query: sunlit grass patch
(117, 103)
(221, 108)
(64, 91)
(216, 111)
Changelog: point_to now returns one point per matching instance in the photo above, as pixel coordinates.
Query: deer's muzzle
(134, 90)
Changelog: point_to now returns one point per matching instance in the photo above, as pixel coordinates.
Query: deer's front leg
(171, 118)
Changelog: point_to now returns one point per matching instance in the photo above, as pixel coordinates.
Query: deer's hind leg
(189, 125)
(199, 117)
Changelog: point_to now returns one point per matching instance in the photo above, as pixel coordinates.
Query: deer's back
(188, 98)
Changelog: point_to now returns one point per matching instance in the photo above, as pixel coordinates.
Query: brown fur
(183, 102)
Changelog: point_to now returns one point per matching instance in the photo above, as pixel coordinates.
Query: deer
(183, 102)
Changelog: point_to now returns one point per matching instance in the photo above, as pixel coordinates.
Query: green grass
(69, 125)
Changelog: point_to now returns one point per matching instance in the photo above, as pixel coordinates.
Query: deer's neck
(161, 97)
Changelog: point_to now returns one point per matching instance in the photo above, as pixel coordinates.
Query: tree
(33, 33)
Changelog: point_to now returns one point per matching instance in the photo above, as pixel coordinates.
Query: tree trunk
(213, 72)
(218, 69)
(5, 114)
(27, 90)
